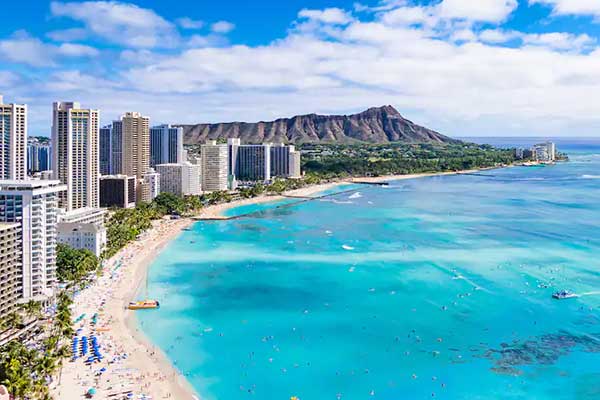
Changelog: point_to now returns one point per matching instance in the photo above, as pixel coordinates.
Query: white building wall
(214, 167)
(170, 178)
(191, 176)
(13, 140)
(295, 165)
(83, 236)
(35, 205)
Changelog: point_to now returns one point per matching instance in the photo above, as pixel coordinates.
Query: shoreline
(141, 367)
(156, 375)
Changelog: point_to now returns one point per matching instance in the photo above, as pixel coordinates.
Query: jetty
(371, 183)
(301, 199)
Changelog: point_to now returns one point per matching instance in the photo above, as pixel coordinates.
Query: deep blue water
(431, 288)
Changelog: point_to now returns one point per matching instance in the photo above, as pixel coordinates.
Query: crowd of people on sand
(114, 375)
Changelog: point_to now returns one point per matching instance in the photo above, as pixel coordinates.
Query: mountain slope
(376, 125)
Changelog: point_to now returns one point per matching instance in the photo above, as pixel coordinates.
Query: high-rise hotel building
(33, 204)
(253, 163)
(214, 160)
(129, 149)
(75, 155)
(136, 145)
(13, 141)
(166, 145)
(285, 161)
(38, 157)
(105, 143)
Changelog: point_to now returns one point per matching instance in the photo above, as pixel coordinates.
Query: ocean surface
(430, 288)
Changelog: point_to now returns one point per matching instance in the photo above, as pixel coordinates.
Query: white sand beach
(131, 363)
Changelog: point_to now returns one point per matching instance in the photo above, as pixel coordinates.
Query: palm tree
(17, 381)
(47, 365)
(32, 309)
(14, 320)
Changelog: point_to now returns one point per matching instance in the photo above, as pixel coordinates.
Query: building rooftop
(82, 212)
(119, 176)
(37, 186)
(29, 183)
(66, 227)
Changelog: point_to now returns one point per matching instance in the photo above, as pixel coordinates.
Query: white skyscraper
(34, 205)
(75, 154)
(13, 141)
(214, 161)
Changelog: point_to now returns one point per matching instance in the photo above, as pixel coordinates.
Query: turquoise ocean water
(430, 288)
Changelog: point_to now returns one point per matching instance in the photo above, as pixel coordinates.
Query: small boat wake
(346, 247)
(595, 293)
(356, 195)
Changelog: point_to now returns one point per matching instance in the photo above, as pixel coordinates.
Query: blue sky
(463, 67)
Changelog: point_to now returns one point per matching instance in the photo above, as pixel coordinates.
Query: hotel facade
(75, 161)
(166, 145)
(214, 161)
(34, 205)
(13, 141)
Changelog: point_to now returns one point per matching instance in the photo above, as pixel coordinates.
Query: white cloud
(210, 40)
(410, 16)
(8, 79)
(498, 35)
(477, 10)
(571, 7)
(554, 40)
(335, 16)
(68, 35)
(222, 27)
(463, 35)
(77, 50)
(560, 41)
(24, 49)
(120, 23)
(188, 23)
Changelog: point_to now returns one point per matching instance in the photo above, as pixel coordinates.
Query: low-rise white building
(83, 229)
(86, 236)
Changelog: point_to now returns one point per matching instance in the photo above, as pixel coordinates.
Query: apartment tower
(13, 141)
(33, 204)
(105, 143)
(75, 155)
(136, 145)
(214, 160)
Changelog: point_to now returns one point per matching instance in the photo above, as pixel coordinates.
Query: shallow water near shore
(437, 287)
